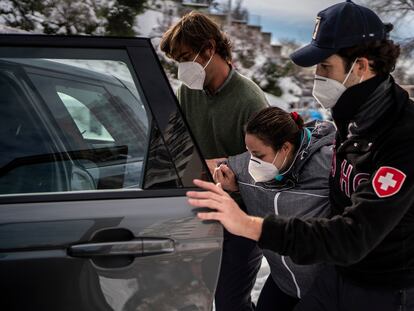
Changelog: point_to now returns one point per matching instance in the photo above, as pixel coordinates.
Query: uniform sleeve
(347, 238)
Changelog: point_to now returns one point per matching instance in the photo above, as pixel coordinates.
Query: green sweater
(217, 121)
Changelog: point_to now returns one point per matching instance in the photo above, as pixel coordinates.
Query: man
(217, 101)
(370, 240)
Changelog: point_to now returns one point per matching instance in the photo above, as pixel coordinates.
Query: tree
(398, 11)
(121, 17)
(96, 17)
(267, 77)
(51, 16)
(289, 45)
(63, 16)
(240, 13)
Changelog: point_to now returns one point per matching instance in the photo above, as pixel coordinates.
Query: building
(220, 18)
(267, 37)
(197, 4)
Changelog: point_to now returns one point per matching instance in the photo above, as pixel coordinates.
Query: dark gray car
(95, 160)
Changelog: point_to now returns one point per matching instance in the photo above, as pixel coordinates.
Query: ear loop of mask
(274, 159)
(296, 156)
(352, 67)
(207, 62)
(349, 72)
(196, 56)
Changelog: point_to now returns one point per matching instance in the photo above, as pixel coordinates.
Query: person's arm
(347, 238)
(343, 239)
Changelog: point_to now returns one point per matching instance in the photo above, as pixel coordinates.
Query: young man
(217, 101)
(370, 240)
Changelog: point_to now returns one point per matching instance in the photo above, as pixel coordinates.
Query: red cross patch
(388, 181)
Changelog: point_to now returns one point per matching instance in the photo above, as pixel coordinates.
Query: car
(95, 162)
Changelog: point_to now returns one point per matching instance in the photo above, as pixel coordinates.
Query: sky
(296, 18)
(287, 19)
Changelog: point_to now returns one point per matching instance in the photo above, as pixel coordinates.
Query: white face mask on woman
(327, 91)
(262, 171)
(192, 74)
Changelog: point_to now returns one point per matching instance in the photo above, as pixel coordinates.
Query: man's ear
(363, 68)
(211, 47)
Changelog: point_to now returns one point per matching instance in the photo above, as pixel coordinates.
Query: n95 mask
(327, 91)
(192, 74)
(262, 171)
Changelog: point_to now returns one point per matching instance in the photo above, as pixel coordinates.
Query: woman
(285, 171)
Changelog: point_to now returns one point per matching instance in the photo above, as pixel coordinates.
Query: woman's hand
(226, 178)
(212, 164)
(226, 210)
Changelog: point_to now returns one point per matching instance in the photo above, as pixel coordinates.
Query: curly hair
(382, 55)
(196, 31)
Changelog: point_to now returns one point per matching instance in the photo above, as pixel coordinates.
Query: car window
(85, 119)
(86, 122)
(71, 125)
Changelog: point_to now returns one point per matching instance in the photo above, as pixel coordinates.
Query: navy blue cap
(342, 25)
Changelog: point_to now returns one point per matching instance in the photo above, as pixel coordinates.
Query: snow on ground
(276, 101)
(154, 21)
(148, 22)
(6, 29)
(175, 84)
(291, 90)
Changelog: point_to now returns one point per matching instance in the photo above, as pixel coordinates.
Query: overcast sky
(294, 18)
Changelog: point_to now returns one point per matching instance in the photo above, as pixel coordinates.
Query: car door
(95, 161)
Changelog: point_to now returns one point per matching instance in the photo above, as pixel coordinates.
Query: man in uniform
(370, 240)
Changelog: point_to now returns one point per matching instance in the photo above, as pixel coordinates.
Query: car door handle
(156, 246)
(136, 247)
(123, 248)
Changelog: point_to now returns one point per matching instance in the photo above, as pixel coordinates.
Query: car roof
(50, 65)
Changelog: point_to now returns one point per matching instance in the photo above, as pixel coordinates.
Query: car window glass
(77, 119)
(87, 123)
(71, 125)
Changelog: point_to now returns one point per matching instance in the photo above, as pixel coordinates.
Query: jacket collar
(377, 112)
(314, 137)
(362, 104)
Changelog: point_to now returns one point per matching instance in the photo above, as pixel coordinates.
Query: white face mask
(262, 171)
(192, 74)
(327, 91)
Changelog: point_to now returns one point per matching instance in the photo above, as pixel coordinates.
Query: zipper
(283, 257)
